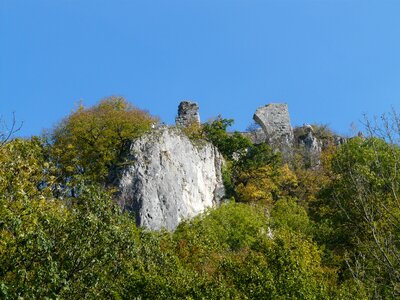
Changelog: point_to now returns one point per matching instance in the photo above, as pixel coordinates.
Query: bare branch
(7, 132)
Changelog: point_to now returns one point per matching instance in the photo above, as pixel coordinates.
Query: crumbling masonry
(188, 114)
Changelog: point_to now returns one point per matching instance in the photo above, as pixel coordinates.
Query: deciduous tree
(90, 141)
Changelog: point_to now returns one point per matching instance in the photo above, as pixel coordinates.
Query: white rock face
(169, 179)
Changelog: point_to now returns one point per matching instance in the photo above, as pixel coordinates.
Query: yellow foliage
(193, 131)
(265, 184)
(90, 140)
(24, 173)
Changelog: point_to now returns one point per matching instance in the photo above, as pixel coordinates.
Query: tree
(363, 206)
(49, 250)
(25, 171)
(228, 144)
(6, 132)
(90, 141)
(233, 245)
(71, 248)
(261, 176)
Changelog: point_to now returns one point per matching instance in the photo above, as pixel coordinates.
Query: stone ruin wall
(275, 129)
(188, 114)
(274, 120)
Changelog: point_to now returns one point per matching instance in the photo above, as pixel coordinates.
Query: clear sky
(330, 60)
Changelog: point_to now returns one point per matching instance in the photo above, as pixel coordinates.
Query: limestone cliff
(167, 178)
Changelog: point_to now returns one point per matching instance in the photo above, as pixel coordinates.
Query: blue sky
(330, 60)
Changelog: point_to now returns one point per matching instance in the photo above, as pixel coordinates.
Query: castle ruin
(188, 114)
(274, 120)
(275, 129)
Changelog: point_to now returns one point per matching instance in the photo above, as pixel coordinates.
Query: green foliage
(234, 244)
(193, 131)
(161, 274)
(228, 180)
(265, 184)
(227, 144)
(50, 251)
(286, 213)
(285, 267)
(51, 248)
(25, 171)
(330, 232)
(259, 156)
(231, 227)
(90, 141)
(260, 176)
(365, 187)
(361, 203)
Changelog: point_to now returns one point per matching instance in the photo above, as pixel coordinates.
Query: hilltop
(114, 204)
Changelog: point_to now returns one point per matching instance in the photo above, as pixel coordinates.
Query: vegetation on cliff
(289, 231)
(89, 141)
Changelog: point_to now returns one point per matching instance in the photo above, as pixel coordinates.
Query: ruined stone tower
(275, 122)
(188, 114)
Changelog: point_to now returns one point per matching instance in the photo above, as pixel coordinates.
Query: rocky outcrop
(309, 141)
(277, 131)
(275, 122)
(168, 178)
(310, 145)
(188, 114)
